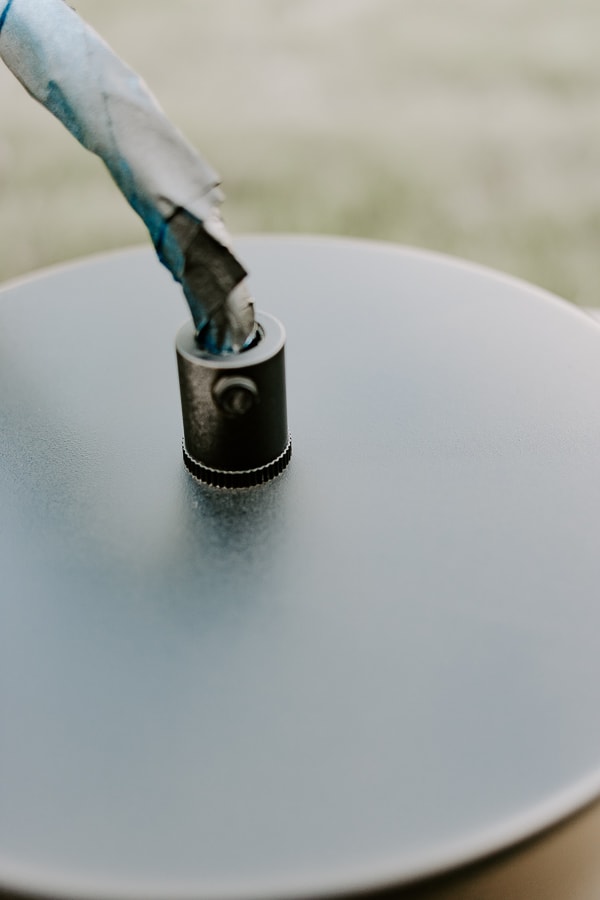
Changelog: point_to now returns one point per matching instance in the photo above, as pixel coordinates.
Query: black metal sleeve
(234, 408)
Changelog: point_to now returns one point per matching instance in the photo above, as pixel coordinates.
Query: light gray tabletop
(382, 665)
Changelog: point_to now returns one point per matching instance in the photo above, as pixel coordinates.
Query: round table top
(379, 666)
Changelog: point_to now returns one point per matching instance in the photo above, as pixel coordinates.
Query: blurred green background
(470, 127)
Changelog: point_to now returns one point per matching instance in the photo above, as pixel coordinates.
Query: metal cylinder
(234, 408)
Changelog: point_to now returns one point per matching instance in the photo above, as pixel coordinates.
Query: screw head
(235, 395)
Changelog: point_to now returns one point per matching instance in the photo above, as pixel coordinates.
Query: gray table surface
(382, 665)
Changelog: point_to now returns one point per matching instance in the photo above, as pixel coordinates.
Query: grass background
(470, 127)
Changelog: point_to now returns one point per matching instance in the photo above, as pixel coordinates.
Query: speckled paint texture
(65, 65)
